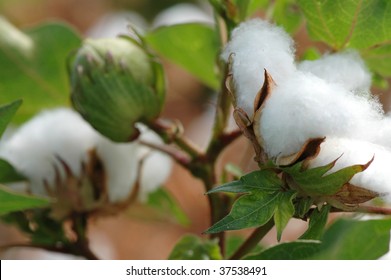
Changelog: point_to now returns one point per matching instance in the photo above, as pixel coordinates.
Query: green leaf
(11, 201)
(8, 173)
(264, 198)
(287, 14)
(316, 226)
(265, 180)
(303, 205)
(363, 25)
(251, 210)
(296, 250)
(7, 112)
(356, 240)
(344, 240)
(314, 182)
(193, 46)
(284, 212)
(162, 201)
(33, 65)
(192, 247)
(256, 5)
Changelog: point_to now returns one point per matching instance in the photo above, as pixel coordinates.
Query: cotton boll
(182, 13)
(35, 148)
(305, 106)
(351, 152)
(346, 68)
(255, 46)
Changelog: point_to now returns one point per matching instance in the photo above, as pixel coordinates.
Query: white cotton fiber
(257, 45)
(346, 69)
(155, 166)
(34, 148)
(376, 177)
(305, 106)
(121, 166)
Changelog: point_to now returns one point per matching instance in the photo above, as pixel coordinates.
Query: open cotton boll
(257, 45)
(375, 178)
(35, 148)
(101, 173)
(305, 106)
(346, 68)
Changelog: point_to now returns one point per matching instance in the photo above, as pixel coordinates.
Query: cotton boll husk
(257, 45)
(351, 152)
(346, 69)
(305, 106)
(35, 147)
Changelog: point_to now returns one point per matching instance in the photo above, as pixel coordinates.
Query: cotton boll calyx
(350, 152)
(346, 69)
(63, 157)
(257, 45)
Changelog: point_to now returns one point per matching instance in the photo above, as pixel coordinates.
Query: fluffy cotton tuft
(257, 45)
(346, 69)
(375, 177)
(36, 147)
(305, 106)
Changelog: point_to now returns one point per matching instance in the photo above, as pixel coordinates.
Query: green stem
(253, 240)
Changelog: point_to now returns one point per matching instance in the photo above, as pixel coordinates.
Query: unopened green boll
(115, 83)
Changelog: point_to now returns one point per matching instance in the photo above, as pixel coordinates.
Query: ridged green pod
(116, 83)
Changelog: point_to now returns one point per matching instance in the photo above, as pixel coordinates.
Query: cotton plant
(323, 99)
(319, 137)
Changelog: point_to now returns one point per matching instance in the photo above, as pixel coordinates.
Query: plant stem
(81, 246)
(252, 240)
(178, 156)
(172, 133)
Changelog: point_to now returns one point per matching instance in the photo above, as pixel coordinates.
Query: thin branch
(252, 240)
(178, 156)
(172, 133)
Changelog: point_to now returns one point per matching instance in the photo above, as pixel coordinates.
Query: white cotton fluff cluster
(255, 46)
(346, 69)
(35, 148)
(328, 98)
(305, 106)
